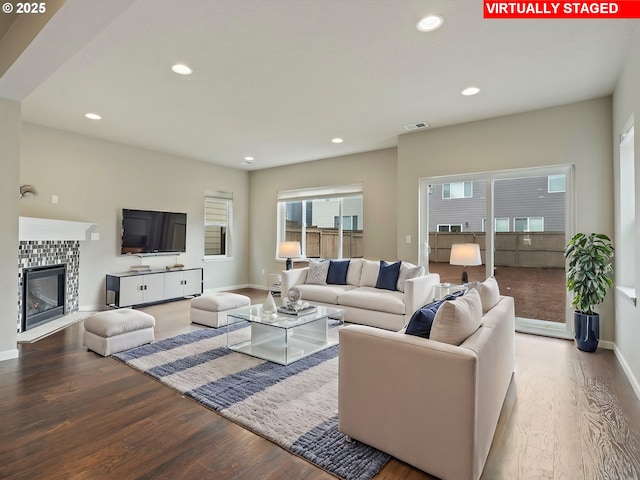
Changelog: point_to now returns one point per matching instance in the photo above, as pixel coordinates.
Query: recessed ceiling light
(337, 140)
(430, 23)
(249, 159)
(181, 69)
(93, 116)
(467, 92)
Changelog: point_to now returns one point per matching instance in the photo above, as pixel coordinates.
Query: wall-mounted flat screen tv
(152, 232)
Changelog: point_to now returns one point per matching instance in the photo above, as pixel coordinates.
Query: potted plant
(588, 277)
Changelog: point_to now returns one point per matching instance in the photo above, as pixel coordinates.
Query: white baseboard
(92, 308)
(9, 355)
(627, 370)
(606, 345)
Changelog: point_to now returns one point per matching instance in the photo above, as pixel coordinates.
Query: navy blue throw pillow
(422, 320)
(388, 275)
(338, 272)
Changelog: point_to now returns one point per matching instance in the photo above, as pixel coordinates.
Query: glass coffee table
(282, 338)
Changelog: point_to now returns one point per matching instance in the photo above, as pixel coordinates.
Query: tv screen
(148, 231)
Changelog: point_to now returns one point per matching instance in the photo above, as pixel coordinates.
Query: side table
(444, 289)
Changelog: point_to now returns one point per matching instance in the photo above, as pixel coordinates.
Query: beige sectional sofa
(361, 301)
(431, 404)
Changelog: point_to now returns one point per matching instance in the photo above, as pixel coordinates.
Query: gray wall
(95, 179)
(9, 188)
(626, 100)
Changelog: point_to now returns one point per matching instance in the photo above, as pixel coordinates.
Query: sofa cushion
(369, 275)
(317, 274)
(422, 319)
(407, 271)
(323, 293)
(355, 271)
(388, 275)
(371, 298)
(489, 293)
(337, 274)
(456, 320)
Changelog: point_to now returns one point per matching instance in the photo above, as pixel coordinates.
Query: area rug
(294, 406)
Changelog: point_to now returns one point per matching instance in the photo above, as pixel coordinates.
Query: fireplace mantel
(31, 228)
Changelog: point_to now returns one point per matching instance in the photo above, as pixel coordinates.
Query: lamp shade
(289, 250)
(465, 254)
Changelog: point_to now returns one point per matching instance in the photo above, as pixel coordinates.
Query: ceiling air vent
(416, 126)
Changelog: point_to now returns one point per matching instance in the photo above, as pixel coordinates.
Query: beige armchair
(430, 404)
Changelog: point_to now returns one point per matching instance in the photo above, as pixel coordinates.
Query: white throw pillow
(369, 276)
(407, 271)
(317, 274)
(489, 293)
(457, 319)
(354, 271)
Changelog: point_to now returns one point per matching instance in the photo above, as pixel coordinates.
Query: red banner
(562, 9)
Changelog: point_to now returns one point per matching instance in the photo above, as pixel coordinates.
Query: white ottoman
(210, 309)
(113, 331)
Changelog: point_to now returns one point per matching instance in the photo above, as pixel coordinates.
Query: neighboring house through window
(449, 228)
(529, 224)
(457, 190)
(327, 221)
(217, 221)
(557, 183)
(501, 224)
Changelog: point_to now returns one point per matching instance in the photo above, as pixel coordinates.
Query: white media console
(139, 288)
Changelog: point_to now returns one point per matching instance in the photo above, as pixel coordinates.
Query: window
(217, 215)
(626, 222)
(449, 228)
(529, 224)
(457, 190)
(328, 222)
(557, 183)
(501, 224)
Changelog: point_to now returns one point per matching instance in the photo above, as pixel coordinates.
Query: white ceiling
(278, 79)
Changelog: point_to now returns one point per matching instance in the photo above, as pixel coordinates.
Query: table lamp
(465, 254)
(289, 250)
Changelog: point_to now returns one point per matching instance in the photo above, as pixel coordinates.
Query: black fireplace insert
(43, 295)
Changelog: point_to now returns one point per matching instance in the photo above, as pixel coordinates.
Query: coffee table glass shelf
(282, 338)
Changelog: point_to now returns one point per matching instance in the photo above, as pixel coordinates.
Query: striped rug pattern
(295, 406)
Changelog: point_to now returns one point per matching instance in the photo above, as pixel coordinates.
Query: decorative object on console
(588, 277)
(269, 306)
(289, 250)
(465, 254)
(140, 268)
(177, 266)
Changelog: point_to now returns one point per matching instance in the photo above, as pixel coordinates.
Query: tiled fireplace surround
(44, 253)
(47, 242)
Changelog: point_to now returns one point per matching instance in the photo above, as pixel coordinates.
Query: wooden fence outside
(512, 249)
(323, 242)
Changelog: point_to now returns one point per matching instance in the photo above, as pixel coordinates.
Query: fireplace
(44, 291)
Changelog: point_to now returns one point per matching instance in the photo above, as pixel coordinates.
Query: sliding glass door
(521, 221)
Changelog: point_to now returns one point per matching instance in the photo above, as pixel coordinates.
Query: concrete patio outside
(539, 293)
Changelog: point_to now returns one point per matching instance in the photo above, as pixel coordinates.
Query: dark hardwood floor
(66, 413)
